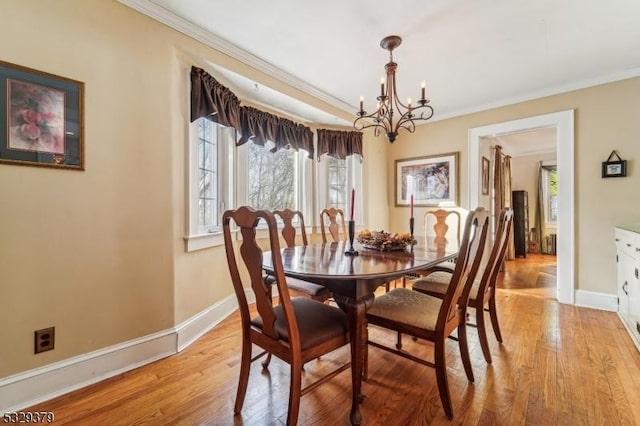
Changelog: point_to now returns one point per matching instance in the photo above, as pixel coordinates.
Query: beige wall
(605, 119)
(100, 254)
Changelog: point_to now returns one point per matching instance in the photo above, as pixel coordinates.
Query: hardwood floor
(558, 364)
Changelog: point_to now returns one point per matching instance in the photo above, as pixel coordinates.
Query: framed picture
(613, 167)
(485, 175)
(41, 118)
(432, 180)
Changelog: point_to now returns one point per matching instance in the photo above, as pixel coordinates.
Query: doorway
(563, 123)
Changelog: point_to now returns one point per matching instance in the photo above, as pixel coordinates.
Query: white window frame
(354, 180)
(198, 238)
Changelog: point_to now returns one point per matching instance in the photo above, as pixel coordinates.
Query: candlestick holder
(411, 224)
(352, 231)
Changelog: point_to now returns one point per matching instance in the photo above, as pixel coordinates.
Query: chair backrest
(288, 230)
(247, 219)
(442, 224)
(336, 223)
(500, 244)
(455, 300)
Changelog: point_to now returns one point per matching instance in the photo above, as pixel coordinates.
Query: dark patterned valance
(339, 144)
(212, 100)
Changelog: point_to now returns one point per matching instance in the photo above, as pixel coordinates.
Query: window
(336, 178)
(273, 178)
(210, 181)
(552, 195)
(337, 183)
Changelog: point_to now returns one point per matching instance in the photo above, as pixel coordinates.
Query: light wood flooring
(558, 364)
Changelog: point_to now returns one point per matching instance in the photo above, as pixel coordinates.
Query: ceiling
(473, 55)
(526, 142)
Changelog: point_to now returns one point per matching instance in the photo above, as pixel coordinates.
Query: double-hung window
(337, 177)
(210, 181)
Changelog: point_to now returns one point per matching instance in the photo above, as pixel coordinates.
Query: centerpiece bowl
(385, 241)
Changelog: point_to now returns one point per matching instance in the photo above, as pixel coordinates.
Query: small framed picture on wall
(486, 173)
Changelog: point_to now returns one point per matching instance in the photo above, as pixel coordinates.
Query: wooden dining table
(353, 280)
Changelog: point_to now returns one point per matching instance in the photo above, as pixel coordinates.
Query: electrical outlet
(44, 339)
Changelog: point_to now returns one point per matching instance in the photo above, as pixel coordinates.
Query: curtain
(339, 144)
(260, 126)
(511, 254)
(539, 232)
(502, 188)
(212, 100)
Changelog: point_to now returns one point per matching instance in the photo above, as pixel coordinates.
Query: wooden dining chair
(441, 225)
(314, 291)
(296, 330)
(336, 226)
(483, 291)
(434, 319)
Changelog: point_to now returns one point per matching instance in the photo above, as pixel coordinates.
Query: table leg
(356, 313)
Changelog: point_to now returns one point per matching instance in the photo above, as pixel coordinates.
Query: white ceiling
(528, 142)
(473, 55)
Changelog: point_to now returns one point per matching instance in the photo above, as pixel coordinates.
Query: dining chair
(336, 222)
(336, 226)
(434, 319)
(483, 291)
(441, 225)
(296, 330)
(314, 291)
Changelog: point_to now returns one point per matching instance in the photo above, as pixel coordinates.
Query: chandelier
(391, 114)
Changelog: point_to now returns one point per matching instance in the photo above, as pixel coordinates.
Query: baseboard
(31, 387)
(595, 300)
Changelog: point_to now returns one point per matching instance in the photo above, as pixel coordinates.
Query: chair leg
(493, 313)
(399, 342)
(464, 350)
(482, 334)
(441, 376)
(243, 380)
(295, 392)
(265, 363)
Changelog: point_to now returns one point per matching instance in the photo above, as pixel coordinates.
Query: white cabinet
(628, 282)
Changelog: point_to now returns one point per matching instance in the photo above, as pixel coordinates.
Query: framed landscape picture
(432, 180)
(41, 118)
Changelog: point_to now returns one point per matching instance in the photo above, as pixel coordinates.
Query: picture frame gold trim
(41, 118)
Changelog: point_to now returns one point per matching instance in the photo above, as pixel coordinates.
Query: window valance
(214, 101)
(339, 144)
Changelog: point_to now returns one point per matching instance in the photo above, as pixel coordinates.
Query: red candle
(353, 198)
(412, 205)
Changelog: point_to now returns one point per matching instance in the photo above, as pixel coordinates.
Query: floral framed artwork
(432, 180)
(41, 118)
(485, 175)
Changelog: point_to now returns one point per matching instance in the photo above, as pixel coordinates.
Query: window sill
(203, 241)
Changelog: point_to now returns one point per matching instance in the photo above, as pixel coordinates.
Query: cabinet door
(634, 300)
(625, 279)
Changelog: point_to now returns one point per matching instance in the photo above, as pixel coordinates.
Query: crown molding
(154, 11)
(538, 94)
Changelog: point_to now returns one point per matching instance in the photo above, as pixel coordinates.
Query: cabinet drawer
(628, 243)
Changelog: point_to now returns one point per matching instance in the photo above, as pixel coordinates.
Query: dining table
(353, 279)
